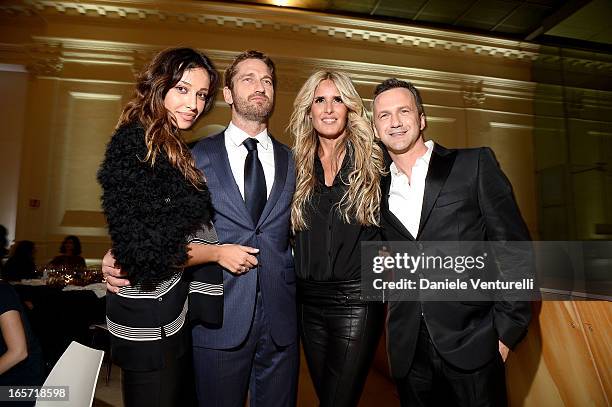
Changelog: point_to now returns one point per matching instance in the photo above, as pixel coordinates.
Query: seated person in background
(3, 243)
(20, 353)
(70, 256)
(20, 264)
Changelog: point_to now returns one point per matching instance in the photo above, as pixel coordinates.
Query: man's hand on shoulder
(115, 278)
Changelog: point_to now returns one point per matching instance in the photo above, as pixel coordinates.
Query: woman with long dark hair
(335, 208)
(21, 361)
(70, 254)
(20, 263)
(158, 209)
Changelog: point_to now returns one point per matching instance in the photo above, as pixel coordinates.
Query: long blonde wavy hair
(361, 201)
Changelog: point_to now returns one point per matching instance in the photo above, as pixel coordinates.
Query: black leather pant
(340, 334)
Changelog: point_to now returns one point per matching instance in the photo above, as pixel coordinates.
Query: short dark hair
(398, 83)
(76, 243)
(230, 72)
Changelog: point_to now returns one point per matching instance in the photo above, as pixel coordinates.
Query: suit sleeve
(504, 223)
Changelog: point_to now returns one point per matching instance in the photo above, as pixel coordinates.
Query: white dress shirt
(406, 195)
(237, 152)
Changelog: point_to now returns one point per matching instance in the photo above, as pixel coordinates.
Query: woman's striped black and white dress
(149, 325)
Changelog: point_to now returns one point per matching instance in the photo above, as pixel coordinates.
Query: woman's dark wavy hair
(147, 106)
(20, 263)
(76, 244)
(23, 250)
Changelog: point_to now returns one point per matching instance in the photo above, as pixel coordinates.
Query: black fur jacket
(150, 210)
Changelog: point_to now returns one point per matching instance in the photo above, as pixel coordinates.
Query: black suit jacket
(467, 198)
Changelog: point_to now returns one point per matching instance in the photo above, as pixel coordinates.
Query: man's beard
(253, 111)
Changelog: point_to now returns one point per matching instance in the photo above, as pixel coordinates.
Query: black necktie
(254, 181)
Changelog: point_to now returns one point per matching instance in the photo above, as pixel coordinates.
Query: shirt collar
(237, 136)
(424, 159)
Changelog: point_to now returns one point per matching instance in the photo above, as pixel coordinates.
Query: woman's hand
(235, 258)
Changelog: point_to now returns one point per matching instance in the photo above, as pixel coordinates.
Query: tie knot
(250, 143)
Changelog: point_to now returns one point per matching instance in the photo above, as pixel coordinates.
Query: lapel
(281, 161)
(386, 213)
(440, 166)
(219, 162)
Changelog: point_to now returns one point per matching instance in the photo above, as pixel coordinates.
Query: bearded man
(251, 179)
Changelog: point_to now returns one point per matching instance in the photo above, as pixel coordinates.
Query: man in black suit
(445, 353)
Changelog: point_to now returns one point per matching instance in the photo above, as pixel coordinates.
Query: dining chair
(100, 339)
(78, 369)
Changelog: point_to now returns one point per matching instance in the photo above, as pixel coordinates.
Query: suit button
(420, 246)
(258, 231)
(159, 299)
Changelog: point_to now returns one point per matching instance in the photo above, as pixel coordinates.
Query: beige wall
(546, 122)
(565, 358)
(81, 62)
(14, 89)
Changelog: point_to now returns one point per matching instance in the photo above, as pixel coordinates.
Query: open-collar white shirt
(406, 194)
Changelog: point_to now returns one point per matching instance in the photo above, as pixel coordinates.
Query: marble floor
(378, 392)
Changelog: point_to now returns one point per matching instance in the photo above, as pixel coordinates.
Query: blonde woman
(335, 208)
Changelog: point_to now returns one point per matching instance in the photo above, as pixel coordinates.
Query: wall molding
(46, 57)
(300, 22)
(510, 126)
(270, 18)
